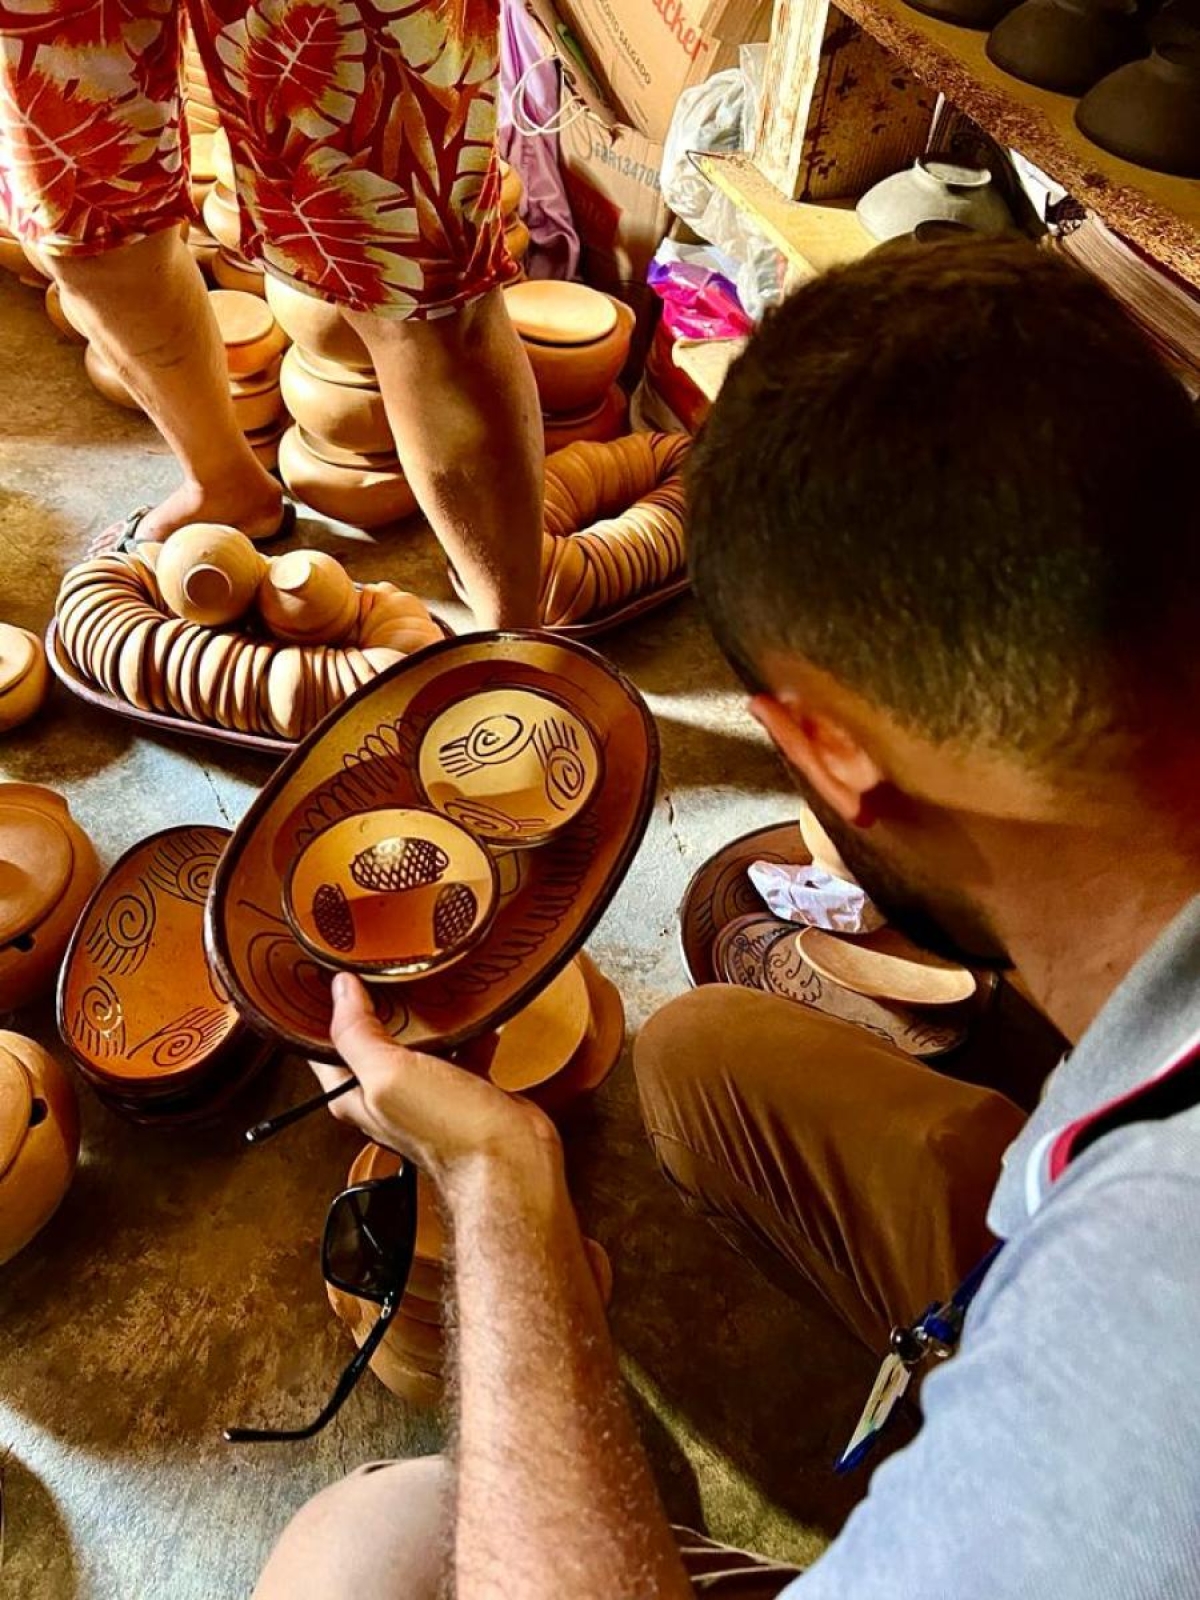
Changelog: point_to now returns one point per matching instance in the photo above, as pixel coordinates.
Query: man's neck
(1094, 914)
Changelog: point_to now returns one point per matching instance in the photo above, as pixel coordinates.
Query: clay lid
(886, 966)
(36, 861)
(552, 312)
(16, 1104)
(242, 318)
(18, 652)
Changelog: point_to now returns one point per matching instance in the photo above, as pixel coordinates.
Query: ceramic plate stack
(411, 1360)
(151, 1028)
(254, 345)
(918, 1003)
(1166, 309)
(577, 341)
(340, 457)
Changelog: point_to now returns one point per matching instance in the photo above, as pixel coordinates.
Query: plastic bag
(694, 283)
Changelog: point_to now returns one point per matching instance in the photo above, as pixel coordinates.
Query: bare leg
(145, 308)
(461, 400)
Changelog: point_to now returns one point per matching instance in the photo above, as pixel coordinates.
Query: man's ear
(825, 752)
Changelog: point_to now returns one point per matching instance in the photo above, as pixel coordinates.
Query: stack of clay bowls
(48, 869)
(39, 1140)
(151, 1031)
(24, 676)
(254, 345)
(516, 234)
(202, 627)
(340, 457)
(577, 341)
(200, 242)
(223, 222)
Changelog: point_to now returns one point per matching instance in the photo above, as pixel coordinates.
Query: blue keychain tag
(886, 1394)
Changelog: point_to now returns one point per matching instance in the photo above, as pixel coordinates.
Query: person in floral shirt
(362, 134)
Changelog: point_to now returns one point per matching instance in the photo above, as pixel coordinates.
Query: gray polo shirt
(1059, 1456)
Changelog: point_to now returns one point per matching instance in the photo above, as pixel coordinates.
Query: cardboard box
(644, 52)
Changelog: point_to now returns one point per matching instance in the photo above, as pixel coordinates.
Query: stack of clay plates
(411, 1361)
(254, 345)
(881, 982)
(151, 1028)
(577, 341)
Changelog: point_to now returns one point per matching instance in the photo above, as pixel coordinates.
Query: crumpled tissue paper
(810, 895)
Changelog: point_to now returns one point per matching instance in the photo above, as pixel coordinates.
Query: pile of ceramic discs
(634, 486)
(577, 341)
(156, 628)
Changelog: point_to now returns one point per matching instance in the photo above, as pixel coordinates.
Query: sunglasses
(367, 1251)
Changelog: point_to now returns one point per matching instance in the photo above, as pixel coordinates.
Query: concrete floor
(178, 1289)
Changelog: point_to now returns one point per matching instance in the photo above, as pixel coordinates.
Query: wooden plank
(789, 80)
(810, 237)
(707, 361)
(1159, 214)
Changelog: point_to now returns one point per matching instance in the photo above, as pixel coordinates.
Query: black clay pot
(982, 14)
(1067, 45)
(1149, 112)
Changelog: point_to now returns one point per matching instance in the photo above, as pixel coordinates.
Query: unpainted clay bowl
(598, 424)
(395, 893)
(1066, 45)
(222, 218)
(511, 764)
(348, 411)
(393, 1370)
(236, 273)
(576, 338)
(306, 596)
(1149, 111)
(138, 1006)
(886, 966)
(48, 869)
(107, 381)
(258, 401)
(249, 332)
(209, 573)
(318, 327)
(933, 190)
(720, 891)
(365, 756)
(220, 160)
(24, 676)
(265, 443)
(361, 497)
(542, 1040)
(39, 1140)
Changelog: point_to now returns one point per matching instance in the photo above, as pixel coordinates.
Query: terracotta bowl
(48, 869)
(39, 1140)
(234, 272)
(138, 1007)
(363, 497)
(339, 405)
(24, 676)
(394, 893)
(364, 757)
(317, 326)
(1066, 45)
(599, 424)
(886, 966)
(514, 765)
(107, 381)
(577, 340)
(222, 218)
(1149, 111)
(249, 332)
(265, 443)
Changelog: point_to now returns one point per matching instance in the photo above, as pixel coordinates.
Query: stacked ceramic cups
(577, 341)
(340, 457)
(223, 221)
(254, 345)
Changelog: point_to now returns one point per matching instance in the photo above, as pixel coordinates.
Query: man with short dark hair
(944, 520)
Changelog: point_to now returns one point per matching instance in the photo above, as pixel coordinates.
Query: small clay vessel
(318, 327)
(48, 869)
(24, 676)
(600, 424)
(209, 573)
(257, 400)
(576, 338)
(394, 893)
(39, 1140)
(1067, 45)
(222, 218)
(249, 332)
(361, 497)
(107, 380)
(1149, 111)
(336, 403)
(236, 273)
(886, 966)
(933, 189)
(513, 765)
(265, 443)
(308, 597)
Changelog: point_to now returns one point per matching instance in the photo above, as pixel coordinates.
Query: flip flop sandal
(119, 538)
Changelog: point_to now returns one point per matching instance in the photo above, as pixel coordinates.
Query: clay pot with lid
(598, 424)
(317, 326)
(39, 1140)
(576, 338)
(336, 403)
(933, 190)
(24, 676)
(249, 332)
(48, 869)
(364, 496)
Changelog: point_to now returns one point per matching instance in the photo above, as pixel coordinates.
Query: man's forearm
(555, 1498)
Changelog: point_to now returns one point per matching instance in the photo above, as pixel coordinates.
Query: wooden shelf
(707, 361)
(811, 238)
(1160, 215)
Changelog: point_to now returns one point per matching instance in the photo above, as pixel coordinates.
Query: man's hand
(440, 1115)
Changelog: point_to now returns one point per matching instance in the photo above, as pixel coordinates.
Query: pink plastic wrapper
(698, 303)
